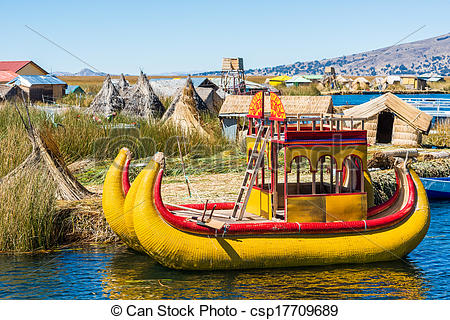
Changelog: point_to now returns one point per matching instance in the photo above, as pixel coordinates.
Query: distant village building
(298, 81)
(314, 78)
(40, 87)
(74, 89)
(279, 80)
(413, 82)
(389, 119)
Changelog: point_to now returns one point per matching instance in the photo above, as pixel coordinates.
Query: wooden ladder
(250, 173)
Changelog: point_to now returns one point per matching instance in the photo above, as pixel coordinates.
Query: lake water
(113, 272)
(355, 99)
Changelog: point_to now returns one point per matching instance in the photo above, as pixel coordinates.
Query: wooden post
(298, 122)
(285, 186)
(361, 168)
(313, 187)
(274, 178)
(321, 122)
(362, 124)
(350, 173)
(321, 175)
(351, 123)
(338, 175)
(183, 167)
(298, 174)
(331, 174)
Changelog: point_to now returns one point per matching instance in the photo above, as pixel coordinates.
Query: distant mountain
(419, 57)
(82, 73)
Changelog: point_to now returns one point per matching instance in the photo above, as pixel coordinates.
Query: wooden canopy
(237, 105)
(417, 119)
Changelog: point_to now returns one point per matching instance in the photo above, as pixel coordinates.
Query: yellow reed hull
(182, 250)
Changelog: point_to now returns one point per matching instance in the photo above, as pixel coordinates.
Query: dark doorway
(384, 127)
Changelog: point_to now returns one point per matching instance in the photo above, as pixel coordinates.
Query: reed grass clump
(28, 219)
(439, 135)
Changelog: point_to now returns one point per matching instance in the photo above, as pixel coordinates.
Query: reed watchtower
(233, 79)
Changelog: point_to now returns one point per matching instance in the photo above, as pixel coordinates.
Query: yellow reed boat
(278, 220)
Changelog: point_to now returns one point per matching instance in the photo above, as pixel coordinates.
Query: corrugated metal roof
(313, 76)
(298, 79)
(28, 81)
(12, 65)
(6, 76)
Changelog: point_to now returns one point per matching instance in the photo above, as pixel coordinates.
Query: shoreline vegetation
(33, 220)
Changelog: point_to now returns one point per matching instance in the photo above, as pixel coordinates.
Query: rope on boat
(299, 227)
(365, 224)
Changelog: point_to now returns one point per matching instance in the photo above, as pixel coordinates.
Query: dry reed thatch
(123, 85)
(381, 160)
(212, 100)
(412, 116)
(45, 155)
(188, 91)
(184, 112)
(108, 99)
(141, 100)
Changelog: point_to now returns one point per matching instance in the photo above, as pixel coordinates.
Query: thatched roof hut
(122, 85)
(360, 83)
(237, 105)
(107, 100)
(212, 100)
(8, 92)
(189, 90)
(141, 100)
(184, 112)
(389, 119)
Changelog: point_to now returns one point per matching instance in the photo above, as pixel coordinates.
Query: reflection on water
(108, 272)
(396, 280)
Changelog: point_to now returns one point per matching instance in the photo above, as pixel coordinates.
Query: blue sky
(172, 36)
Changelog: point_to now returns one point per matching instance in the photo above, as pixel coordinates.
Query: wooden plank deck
(222, 215)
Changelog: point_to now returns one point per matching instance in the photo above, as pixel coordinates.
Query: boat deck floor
(224, 216)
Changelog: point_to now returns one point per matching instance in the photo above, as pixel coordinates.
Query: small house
(298, 81)
(280, 80)
(389, 119)
(40, 87)
(413, 82)
(233, 113)
(9, 70)
(75, 89)
(22, 68)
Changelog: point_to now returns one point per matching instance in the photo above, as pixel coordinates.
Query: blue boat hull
(437, 188)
